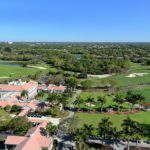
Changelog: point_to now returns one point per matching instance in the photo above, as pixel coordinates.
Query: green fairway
(123, 80)
(142, 117)
(138, 83)
(15, 71)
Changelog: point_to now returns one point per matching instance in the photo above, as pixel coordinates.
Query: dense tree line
(92, 58)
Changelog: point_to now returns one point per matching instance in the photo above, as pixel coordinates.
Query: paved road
(62, 135)
(75, 98)
(142, 144)
(71, 111)
(120, 145)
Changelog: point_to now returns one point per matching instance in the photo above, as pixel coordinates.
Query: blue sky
(75, 20)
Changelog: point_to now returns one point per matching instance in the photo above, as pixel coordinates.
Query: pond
(10, 63)
(78, 56)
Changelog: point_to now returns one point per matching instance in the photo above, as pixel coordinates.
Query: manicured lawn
(93, 118)
(122, 80)
(109, 99)
(16, 71)
(145, 91)
(43, 98)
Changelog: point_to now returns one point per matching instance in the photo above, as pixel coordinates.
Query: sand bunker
(4, 77)
(90, 105)
(43, 68)
(99, 76)
(132, 75)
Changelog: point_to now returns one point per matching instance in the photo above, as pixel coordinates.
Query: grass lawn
(62, 115)
(109, 99)
(48, 66)
(145, 91)
(16, 71)
(4, 115)
(43, 98)
(10, 71)
(93, 118)
(122, 80)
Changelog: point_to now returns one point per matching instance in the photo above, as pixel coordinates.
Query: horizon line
(24, 41)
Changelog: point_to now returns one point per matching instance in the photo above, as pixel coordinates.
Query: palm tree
(104, 128)
(79, 139)
(119, 100)
(140, 99)
(137, 132)
(53, 97)
(134, 98)
(128, 129)
(62, 98)
(78, 134)
(102, 101)
(129, 98)
(90, 100)
(24, 93)
(80, 145)
(79, 102)
(50, 129)
(114, 135)
(40, 94)
(88, 129)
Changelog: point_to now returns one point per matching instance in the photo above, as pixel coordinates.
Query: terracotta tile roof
(31, 131)
(24, 112)
(27, 107)
(56, 88)
(6, 87)
(14, 140)
(28, 144)
(35, 139)
(26, 86)
(40, 137)
(5, 103)
(42, 87)
(33, 104)
(10, 101)
(52, 87)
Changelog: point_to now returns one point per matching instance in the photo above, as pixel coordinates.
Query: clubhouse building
(16, 87)
(35, 139)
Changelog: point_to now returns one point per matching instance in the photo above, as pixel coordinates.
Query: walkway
(71, 111)
(62, 133)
